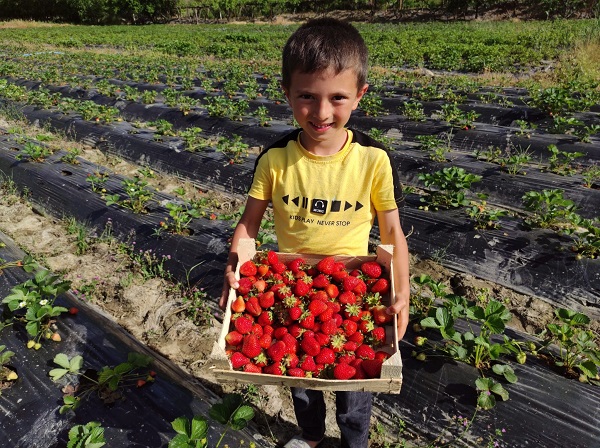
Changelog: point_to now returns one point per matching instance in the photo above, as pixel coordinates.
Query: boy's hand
(401, 309)
(228, 282)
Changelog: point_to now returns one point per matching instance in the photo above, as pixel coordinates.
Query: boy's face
(322, 103)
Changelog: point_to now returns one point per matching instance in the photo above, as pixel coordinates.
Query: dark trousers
(353, 415)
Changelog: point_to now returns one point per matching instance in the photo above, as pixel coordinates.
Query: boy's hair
(322, 44)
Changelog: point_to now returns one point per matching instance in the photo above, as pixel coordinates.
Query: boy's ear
(360, 94)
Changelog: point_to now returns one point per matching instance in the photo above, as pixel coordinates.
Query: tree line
(153, 11)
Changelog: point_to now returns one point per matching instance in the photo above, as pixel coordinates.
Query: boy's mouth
(321, 127)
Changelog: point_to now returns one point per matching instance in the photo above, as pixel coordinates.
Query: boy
(327, 184)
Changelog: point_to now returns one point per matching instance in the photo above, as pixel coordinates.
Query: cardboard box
(391, 371)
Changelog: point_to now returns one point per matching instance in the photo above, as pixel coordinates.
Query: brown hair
(321, 44)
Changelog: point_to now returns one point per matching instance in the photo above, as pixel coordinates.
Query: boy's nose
(322, 110)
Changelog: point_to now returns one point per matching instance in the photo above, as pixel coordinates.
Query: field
(125, 154)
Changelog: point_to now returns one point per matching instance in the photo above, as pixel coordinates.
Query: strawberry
(326, 265)
(347, 358)
(378, 335)
(361, 288)
(245, 285)
(320, 281)
(307, 320)
(274, 369)
(372, 367)
(310, 345)
(259, 285)
(329, 327)
(337, 342)
(251, 347)
(238, 305)
(296, 330)
(295, 312)
(326, 315)
(279, 267)
(243, 325)
(308, 363)
(265, 341)
(234, 338)
(332, 291)
(279, 332)
(360, 373)
(263, 270)
(252, 368)
(266, 299)
(319, 295)
(268, 328)
(248, 269)
(380, 315)
(272, 258)
(291, 343)
(381, 286)
(277, 351)
(291, 360)
(238, 360)
(365, 326)
(73, 310)
(296, 372)
(365, 352)
(265, 319)
(339, 275)
(343, 371)
(350, 346)
(381, 355)
(349, 283)
(357, 337)
(140, 383)
(257, 329)
(322, 339)
(316, 307)
(371, 269)
(347, 298)
(349, 327)
(301, 288)
(325, 356)
(296, 265)
(253, 307)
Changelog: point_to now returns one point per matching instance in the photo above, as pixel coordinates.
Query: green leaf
(484, 383)
(244, 413)
(57, 374)
(429, 322)
(33, 328)
(476, 313)
(588, 368)
(76, 364)
(138, 359)
(181, 425)
(62, 360)
(500, 391)
(180, 441)
(199, 428)
(40, 276)
(485, 401)
(495, 324)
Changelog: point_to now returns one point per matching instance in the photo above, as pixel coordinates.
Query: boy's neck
(326, 148)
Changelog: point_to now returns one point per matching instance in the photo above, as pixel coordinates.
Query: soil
(153, 310)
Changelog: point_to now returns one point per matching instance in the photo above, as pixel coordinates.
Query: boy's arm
(247, 227)
(390, 232)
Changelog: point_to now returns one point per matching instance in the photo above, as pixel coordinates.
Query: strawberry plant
(7, 375)
(372, 105)
(564, 125)
(193, 140)
(584, 133)
(560, 162)
(591, 175)
(413, 110)
(483, 216)
(71, 155)
(514, 162)
(90, 435)
(231, 412)
(34, 153)
(137, 195)
(427, 290)
(586, 236)
(548, 208)
(262, 115)
(577, 349)
(97, 180)
(32, 305)
(106, 382)
(234, 148)
(181, 215)
(450, 184)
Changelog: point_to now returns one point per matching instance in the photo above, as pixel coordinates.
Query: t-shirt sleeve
(383, 191)
(262, 182)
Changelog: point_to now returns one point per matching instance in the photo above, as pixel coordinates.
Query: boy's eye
(306, 96)
(339, 98)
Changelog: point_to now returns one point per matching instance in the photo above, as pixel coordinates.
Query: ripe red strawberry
(238, 305)
(361, 288)
(295, 312)
(365, 326)
(326, 315)
(372, 367)
(339, 275)
(378, 335)
(140, 383)
(234, 338)
(326, 265)
(380, 315)
(301, 288)
(296, 265)
(320, 281)
(308, 363)
(343, 371)
(332, 291)
(257, 329)
(319, 295)
(381, 286)
(296, 372)
(274, 369)
(349, 327)
(346, 358)
(296, 330)
(381, 355)
(316, 307)
(291, 343)
(279, 267)
(325, 356)
(329, 327)
(238, 360)
(272, 258)
(347, 298)
(291, 360)
(248, 269)
(279, 332)
(322, 338)
(360, 373)
(253, 307)
(252, 368)
(266, 299)
(365, 352)
(267, 329)
(357, 337)
(350, 346)
(310, 345)
(265, 341)
(283, 291)
(245, 285)
(251, 347)
(277, 351)
(243, 325)
(371, 269)
(265, 319)
(349, 283)
(73, 310)
(307, 321)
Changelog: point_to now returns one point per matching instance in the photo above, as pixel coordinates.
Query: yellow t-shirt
(325, 205)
